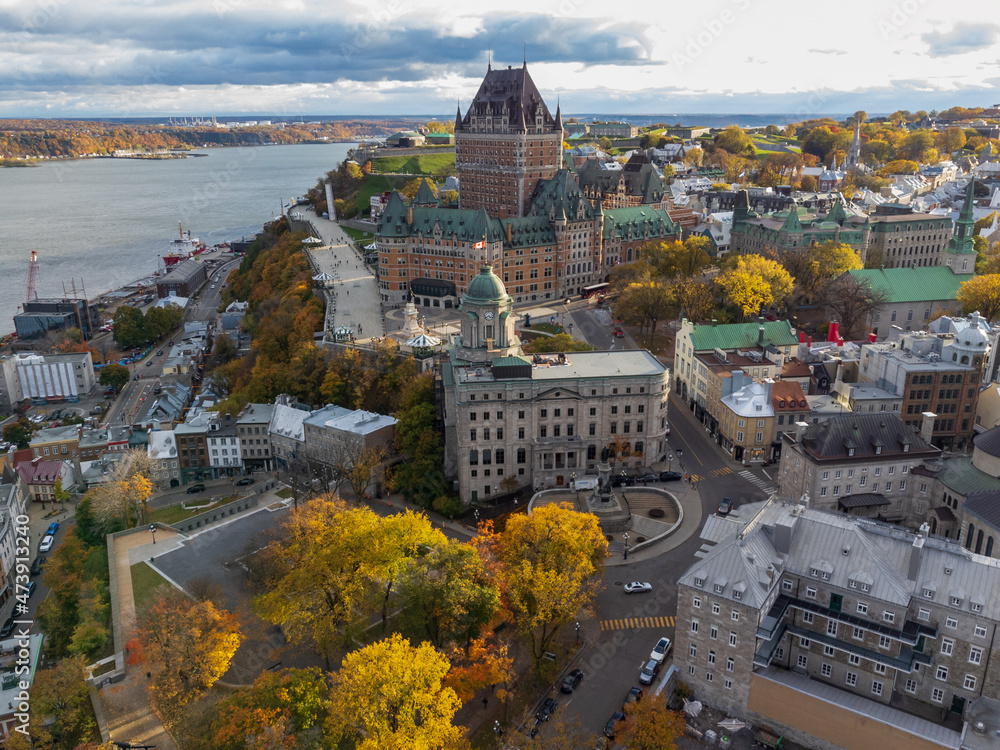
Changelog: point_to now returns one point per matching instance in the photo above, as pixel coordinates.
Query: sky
(129, 58)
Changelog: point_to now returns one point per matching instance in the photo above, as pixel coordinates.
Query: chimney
(872, 337)
(840, 342)
(800, 427)
(913, 569)
(834, 331)
(409, 215)
(760, 336)
(508, 232)
(802, 337)
(927, 425)
(809, 341)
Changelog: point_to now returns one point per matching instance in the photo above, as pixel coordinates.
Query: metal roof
(741, 335)
(928, 284)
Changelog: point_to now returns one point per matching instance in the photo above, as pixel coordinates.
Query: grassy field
(358, 235)
(376, 185)
(176, 513)
(423, 164)
(145, 581)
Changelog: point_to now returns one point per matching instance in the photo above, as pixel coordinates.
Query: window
(713, 632)
(694, 626)
(831, 627)
(803, 661)
(885, 642)
(730, 664)
(786, 585)
(980, 631)
(735, 616)
(941, 673)
(709, 676)
(970, 682)
(951, 622)
(854, 659)
(715, 605)
(828, 651)
(711, 657)
(804, 642)
(810, 592)
(889, 616)
(851, 679)
(691, 667)
(732, 638)
(862, 608)
(975, 655)
(879, 668)
(728, 683)
(826, 670)
(807, 617)
(911, 686)
(947, 646)
(859, 634)
(696, 602)
(937, 695)
(876, 687)
(693, 652)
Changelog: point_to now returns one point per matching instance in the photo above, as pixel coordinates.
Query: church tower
(487, 320)
(854, 152)
(961, 252)
(507, 142)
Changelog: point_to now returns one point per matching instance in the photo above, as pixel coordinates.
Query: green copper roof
(737, 335)
(912, 284)
(958, 474)
(485, 286)
(618, 220)
(961, 242)
(463, 224)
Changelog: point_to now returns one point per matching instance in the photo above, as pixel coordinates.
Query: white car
(661, 650)
(47, 543)
(638, 587)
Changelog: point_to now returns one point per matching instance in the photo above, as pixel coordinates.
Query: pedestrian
(486, 701)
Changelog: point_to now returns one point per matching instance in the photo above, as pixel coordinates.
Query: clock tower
(487, 320)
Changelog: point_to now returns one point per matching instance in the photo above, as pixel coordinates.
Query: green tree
(818, 265)
(646, 303)
(19, 433)
(61, 716)
(916, 146)
(159, 321)
(130, 327)
(560, 342)
(114, 375)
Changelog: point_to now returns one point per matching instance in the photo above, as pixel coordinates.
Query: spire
(458, 118)
(961, 241)
(854, 152)
(558, 124)
(970, 202)
(525, 61)
(489, 60)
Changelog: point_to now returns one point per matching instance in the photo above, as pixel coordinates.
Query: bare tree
(128, 488)
(357, 463)
(852, 304)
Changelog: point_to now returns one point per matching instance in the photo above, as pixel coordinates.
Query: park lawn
(415, 165)
(284, 493)
(173, 514)
(376, 184)
(358, 235)
(145, 581)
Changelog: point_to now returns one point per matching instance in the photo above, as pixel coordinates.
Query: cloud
(829, 51)
(963, 37)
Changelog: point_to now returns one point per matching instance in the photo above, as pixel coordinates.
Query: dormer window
(814, 572)
(956, 601)
(699, 582)
(906, 447)
(878, 449)
(928, 593)
(718, 588)
(850, 451)
(737, 594)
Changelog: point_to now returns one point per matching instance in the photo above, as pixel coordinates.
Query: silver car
(649, 672)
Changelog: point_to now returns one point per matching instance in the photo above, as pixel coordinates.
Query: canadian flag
(480, 245)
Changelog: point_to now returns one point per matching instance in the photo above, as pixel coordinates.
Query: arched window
(498, 454)
(487, 457)
(934, 526)
(989, 547)
(964, 360)
(969, 536)
(979, 541)
(473, 457)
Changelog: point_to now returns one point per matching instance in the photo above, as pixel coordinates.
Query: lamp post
(625, 538)
(475, 513)
(578, 632)
(572, 479)
(152, 530)
(670, 461)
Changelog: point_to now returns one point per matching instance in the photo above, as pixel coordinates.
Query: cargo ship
(182, 248)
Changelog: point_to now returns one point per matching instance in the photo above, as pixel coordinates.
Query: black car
(194, 489)
(8, 628)
(548, 708)
(609, 729)
(245, 481)
(31, 588)
(36, 566)
(572, 681)
(649, 478)
(634, 696)
(670, 476)
(620, 481)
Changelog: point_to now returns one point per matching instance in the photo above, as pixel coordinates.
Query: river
(102, 223)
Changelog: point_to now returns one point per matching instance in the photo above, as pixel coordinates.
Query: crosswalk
(627, 623)
(714, 472)
(763, 485)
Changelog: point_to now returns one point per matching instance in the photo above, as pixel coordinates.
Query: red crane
(32, 274)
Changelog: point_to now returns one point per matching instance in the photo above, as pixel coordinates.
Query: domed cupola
(487, 319)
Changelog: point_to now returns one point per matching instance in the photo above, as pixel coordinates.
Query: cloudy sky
(120, 58)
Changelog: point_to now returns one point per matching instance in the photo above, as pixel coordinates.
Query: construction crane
(32, 275)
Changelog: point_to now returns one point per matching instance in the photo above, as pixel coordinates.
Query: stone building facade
(540, 418)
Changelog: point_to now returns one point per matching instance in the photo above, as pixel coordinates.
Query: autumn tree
(187, 646)
(115, 375)
(482, 663)
(274, 712)
(675, 258)
(645, 303)
(58, 613)
(61, 715)
(808, 184)
(951, 140)
(814, 267)
(981, 293)
(695, 298)
(735, 141)
(390, 695)
(550, 564)
(19, 433)
(357, 463)
(630, 273)
(852, 304)
(447, 594)
(564, 733)
(650, 725)
(125, 493)
(560, 342)
(755, 283)
(900, 166)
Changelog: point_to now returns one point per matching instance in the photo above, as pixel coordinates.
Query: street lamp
(670, 461)
(152, 530)
(475, 513)
(578, 632)
(625, 538)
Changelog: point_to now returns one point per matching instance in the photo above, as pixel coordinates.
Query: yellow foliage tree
(483, 664)
(981, 293)
(650, 725)
(550, 563)
(390, 696)
(756, 282)
(187, 646)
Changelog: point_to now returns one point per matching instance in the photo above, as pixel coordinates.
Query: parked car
(638, 587)
(36, 566)
(725, 506)
(649, 672)
(149, 363)
(8, 628)
(618, 332)
(572, 681)
(620, 481)
(31, 588)
(649, 478)
(96, 410)
(194, 489)
(661, 650)
(159, 352)
(53, 527)
(670, 476)
(611, 727)
(47, 543)
(245, 481)
(634, 696)
(548, 708)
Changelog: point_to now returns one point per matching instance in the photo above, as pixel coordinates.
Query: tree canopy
(981, 293)
(755, 283)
